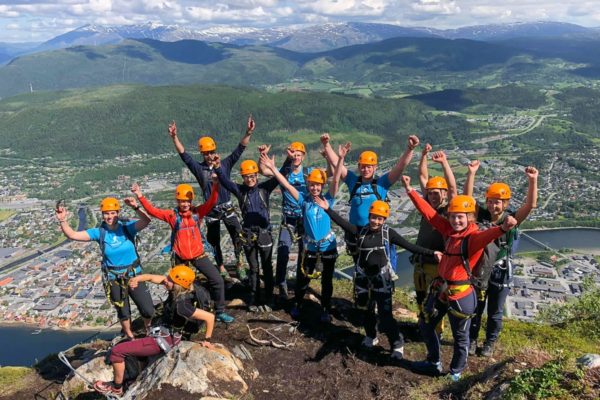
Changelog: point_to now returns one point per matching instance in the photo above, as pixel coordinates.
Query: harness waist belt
(457, 289)
(327, 238)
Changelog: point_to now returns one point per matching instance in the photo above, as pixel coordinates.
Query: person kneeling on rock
(179, 309)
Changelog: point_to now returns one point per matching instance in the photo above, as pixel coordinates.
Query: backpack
(481, 272)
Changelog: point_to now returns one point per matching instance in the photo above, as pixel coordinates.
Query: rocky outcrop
(189, 367)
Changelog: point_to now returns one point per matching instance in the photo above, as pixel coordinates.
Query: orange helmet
(297, 146)
(109, 204)
(248, 167)
(367, 158)
(182, 275)
(206, 143)
(437, 182)
(317, 175)
(462, 204)
(380, 208)
(498, 190)
(184, 192)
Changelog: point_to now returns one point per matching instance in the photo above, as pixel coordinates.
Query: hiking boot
(428, 367)
(325, 317)
(398, 353)
(393, 276)
(224, 317)
(473, 348)
(455, 377)
(108, 388)
(370, 342)
(487, 350)
(295, 312)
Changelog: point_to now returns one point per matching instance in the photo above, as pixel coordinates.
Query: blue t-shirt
(289, 205)
(317, 224)
(118, 250)
(364, 197)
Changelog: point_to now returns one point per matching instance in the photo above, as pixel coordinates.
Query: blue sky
(40, 20)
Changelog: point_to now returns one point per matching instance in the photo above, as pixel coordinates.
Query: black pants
(215, 280)
(121, 292)
(213, 234)
(253, 251)
(460, 330)
(495, 296)
(308, 263)
(289, 225)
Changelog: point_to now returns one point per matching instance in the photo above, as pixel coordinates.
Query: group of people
(462, 256)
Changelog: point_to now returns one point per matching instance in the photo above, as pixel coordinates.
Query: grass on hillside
(6, 214)
(13, 377)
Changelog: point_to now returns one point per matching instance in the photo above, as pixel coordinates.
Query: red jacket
(188, 239)
(451, 266)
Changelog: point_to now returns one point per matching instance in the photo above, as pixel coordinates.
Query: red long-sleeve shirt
(188, 239)
(451, 266)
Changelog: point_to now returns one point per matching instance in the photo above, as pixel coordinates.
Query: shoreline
(19, 324)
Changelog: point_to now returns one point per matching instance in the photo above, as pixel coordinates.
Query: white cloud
(443, 7)
(490, 12)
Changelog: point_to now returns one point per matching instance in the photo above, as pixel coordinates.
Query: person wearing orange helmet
(120, 259)
(224, 210)
(257, 239)
(453, 293)
(495, 291)
(373, 284)
(366, 187)
(437, 191)
(183, 312)
(186, 238)
(319, 242)
(291, 227)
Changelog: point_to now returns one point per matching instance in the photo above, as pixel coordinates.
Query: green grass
(13, 377)
(6, 214)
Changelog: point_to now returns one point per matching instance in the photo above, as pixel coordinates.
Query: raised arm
(227, 183)
(144, 219)
(337, 176)
(163, 215)
(62, 217)
(473, 166)
(249, 131)
(330, 156)
(431, 215)
(173, 133)
(440, 157)
(396, 172)
(203, 209)
(423, 170)
(269, 163)
(531, 201)
(399, 240)
(263, 148)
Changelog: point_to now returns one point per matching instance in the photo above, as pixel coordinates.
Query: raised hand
(264, 148)
(439, 157)
(290, 153)
(321, 202)
(531, 172)
(216, 160)
(406, 182)
(135, 189)
(324, 139)
(267, 162)
(426, 149)
(413, 141)
(131, 202)
(61, 213)
(173, 130)
(250, 126)
(473, 166)
(344, 149)
(509, 223)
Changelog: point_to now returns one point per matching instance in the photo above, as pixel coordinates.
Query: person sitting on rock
(186, 238)
(373, 284)
(179, 309)
(452, 293)
(120, 259)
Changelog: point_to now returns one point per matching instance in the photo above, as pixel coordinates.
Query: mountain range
(310, 39)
